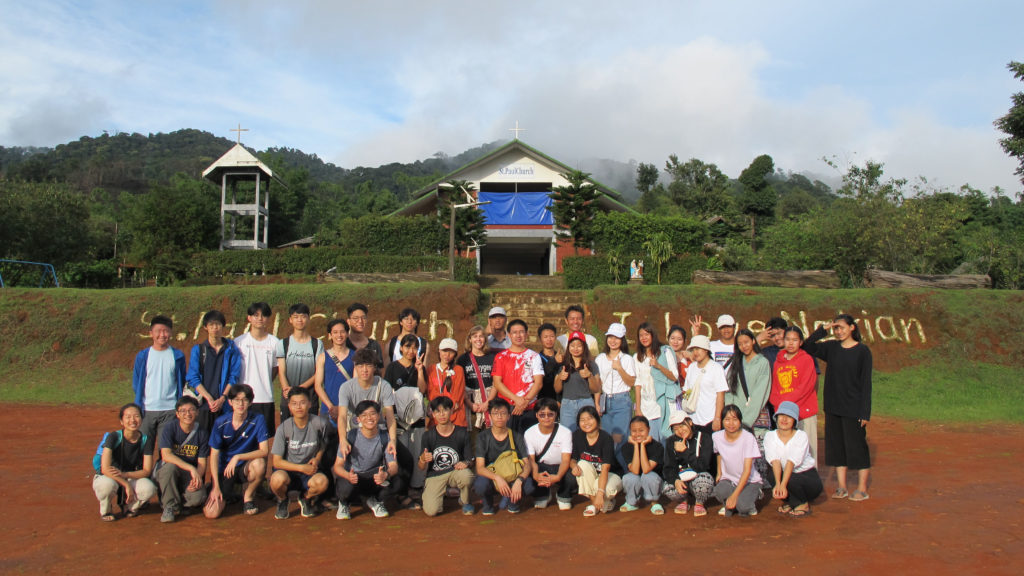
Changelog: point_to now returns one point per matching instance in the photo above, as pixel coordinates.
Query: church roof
(237, 157)
(608, 198)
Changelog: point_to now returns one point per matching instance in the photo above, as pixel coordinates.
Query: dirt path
(943, 500)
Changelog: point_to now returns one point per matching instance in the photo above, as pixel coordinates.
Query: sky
(915, 85)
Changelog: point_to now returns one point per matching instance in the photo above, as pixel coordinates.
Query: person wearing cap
(724, 348)
(574, 317)
(446, 378)
(578, 381)
(687, 469)
(706, 378)
(497, 337)
(618, 376)
(518, 375)
(788, 452)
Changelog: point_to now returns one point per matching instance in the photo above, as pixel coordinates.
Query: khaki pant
(810, 427)
(434, 488)
(106, 490)
(588, 481)
(173, 483)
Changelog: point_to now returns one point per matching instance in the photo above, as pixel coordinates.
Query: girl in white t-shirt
(618, 376)
(787, 450)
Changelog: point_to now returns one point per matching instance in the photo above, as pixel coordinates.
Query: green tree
(573, 207)
(659, 250)
(1012, 124)
(646, 177)
(757, 199)
(470, 228)
(43, 222)
(171, 222)
(698, 188)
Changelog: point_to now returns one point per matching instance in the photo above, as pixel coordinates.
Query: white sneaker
(564, 505)
(378, 507)
(343, 512)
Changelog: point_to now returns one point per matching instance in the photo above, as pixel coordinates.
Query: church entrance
(523, 256)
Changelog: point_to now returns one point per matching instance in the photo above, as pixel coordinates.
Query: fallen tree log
(887, 279)
(778, 278)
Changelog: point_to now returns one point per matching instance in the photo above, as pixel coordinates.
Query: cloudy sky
(915, 85)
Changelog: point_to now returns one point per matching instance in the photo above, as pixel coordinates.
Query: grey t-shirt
(351, 394)
(300, 363)
(576, 387)
(367, 454)
(300, 445)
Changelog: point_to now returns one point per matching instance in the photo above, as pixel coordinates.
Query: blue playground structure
(46, 272)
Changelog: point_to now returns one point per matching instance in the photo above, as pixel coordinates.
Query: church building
(515, 179)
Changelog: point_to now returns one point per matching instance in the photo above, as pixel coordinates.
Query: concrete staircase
(536, 307)
(514, 281)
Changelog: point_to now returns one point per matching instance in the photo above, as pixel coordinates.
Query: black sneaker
(282, 510)
(308, 510)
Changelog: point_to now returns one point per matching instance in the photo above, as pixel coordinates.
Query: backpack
(314, 341)
(97, 459)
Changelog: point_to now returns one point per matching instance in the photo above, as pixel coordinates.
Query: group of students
(730, 419)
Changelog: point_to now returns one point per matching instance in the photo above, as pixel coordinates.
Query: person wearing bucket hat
(446, 378)
(618, 375)
(786, 448)
(703, 396)
(685, 472)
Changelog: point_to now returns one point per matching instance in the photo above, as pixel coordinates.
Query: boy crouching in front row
(239, 445)
(368, 467)
(298, 449)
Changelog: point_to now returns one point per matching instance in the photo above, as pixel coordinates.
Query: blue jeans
(618, 411)
(570, 408)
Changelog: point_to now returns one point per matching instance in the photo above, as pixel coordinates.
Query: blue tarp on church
(516, 208)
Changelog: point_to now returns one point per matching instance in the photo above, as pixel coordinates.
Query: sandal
(412, 504)
(700, 510)
(657, 509)
(589, 511)
(108, 517)
(250, 508)
(800, 512)
(785, 509)
(682, 508)
(840, 493)
(858, 496)
(131, 513)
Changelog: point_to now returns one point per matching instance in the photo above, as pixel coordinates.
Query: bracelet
(601, 490)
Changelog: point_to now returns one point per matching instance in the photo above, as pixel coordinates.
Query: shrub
(627, 232)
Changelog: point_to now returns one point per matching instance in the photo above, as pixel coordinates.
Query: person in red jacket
(794, 379)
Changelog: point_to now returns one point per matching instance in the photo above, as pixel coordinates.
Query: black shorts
(269, 414)
(846, 443)
(227, 485)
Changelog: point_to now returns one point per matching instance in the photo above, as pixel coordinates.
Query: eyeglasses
(185, 411)
(242, 400)
(545, 415)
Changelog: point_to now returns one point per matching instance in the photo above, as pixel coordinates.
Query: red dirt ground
(943, 500)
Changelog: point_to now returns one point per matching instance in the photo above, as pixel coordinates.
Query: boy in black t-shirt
(445, 458)
(490, 444)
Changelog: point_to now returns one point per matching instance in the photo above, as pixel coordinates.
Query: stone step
(499, 281)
